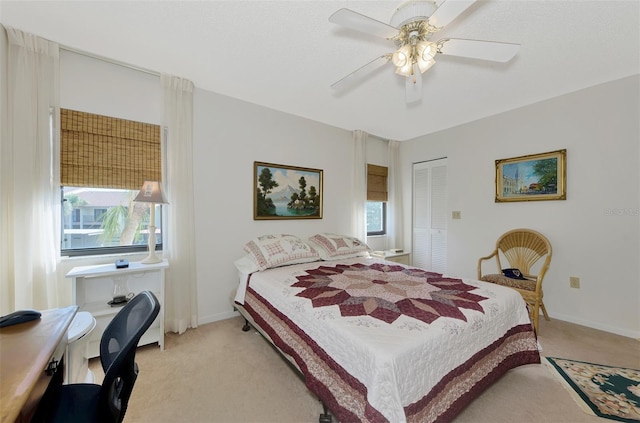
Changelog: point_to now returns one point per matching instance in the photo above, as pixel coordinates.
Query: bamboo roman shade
(107, 152)
(376, 183)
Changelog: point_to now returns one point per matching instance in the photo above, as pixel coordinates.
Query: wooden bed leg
(246, 327)
(325, 417)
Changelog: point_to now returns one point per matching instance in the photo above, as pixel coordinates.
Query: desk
(93, 288)
(26, 349)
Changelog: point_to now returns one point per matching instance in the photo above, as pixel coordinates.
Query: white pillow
(246, 264)
(278, 250)
(334, 247)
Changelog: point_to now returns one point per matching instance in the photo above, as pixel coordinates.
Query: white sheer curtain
(358, 220)
(395, 238)
(181, 307)
(29, 179)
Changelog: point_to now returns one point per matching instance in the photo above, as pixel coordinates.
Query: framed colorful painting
(533, 177)
(286, 192)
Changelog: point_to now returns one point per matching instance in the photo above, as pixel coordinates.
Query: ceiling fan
(412, 25)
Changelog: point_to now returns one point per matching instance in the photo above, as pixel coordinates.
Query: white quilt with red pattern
(401, 333)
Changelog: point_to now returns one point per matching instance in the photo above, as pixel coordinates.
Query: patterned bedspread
(379, 341)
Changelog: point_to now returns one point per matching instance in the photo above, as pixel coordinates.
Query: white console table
(395, 256)
(93, 289)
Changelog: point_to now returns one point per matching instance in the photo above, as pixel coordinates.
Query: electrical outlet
(574, 282)
(456, 215)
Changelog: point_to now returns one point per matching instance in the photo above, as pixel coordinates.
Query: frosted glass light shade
(402, 56)
(405, 70)
(424, 65)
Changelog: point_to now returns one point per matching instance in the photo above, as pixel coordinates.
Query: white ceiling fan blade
(448, 11)
(413, 86)
(354, 20)
(361, 72)
(478, 49)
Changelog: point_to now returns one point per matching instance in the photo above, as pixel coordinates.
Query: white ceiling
(285, 54)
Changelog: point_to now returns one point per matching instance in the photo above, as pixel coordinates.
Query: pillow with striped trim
(279, 250)
(335, 247)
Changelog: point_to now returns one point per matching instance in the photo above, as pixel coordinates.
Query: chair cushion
(525, 284)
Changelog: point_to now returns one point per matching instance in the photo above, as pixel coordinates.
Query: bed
(378, 341)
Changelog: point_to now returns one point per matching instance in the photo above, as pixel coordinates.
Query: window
(376, 200)
(103, 163)
(102, 220)
(376, 218)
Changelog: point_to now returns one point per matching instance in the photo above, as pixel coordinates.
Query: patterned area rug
(604, 391)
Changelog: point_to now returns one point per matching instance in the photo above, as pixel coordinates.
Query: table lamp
(151, 192)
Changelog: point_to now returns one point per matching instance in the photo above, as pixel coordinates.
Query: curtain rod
(107, 60)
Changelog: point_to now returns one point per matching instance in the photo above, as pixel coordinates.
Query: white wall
(5, 303)
(229, 135)
(598, 127)
(595, 233)
(4, 46)
(3, 82)
(96, 86)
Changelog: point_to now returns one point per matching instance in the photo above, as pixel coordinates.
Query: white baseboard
(595, 325)
(203, 320)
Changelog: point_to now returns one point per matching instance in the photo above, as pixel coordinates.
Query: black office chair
(91, 403)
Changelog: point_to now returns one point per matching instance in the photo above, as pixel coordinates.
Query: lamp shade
(151, 192)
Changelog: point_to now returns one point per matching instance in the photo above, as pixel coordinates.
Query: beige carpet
(217, 373)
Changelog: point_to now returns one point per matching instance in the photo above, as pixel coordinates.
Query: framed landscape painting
(286, 192)
(533, 177)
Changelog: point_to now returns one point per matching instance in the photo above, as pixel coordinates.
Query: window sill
(105, 257)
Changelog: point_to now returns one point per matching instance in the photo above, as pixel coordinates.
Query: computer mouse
(19, 316)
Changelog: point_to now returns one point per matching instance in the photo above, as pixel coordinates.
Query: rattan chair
(522, 248)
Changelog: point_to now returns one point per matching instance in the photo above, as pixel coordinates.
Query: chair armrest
(481, 259)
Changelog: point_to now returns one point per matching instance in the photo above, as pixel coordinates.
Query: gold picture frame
(286, 192)
(532, 178)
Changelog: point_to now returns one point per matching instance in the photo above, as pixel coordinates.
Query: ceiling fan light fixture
(425, 53)
(426, 50)
(424, 65)
(405, 70)
(412, 26)
(402, 56)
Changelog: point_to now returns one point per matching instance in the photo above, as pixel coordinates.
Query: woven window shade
(376, 183)
(106, 152)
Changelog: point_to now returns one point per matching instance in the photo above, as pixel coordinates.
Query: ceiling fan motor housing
(413, 10)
